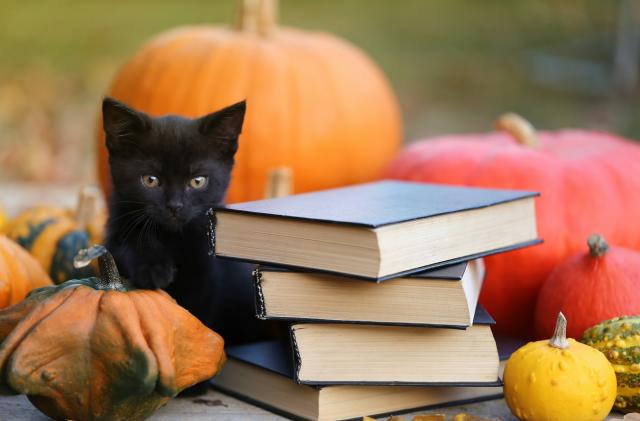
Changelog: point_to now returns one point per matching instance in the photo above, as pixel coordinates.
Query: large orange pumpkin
(588, 180)
(19, 273)
(315, 103)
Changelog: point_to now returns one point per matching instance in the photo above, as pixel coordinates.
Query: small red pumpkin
(590, 288)
(587, 184)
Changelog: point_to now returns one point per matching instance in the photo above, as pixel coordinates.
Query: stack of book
(380, 283)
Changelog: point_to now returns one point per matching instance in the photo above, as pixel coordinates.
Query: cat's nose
(174, 207)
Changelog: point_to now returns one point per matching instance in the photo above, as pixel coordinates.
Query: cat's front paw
(154, 276)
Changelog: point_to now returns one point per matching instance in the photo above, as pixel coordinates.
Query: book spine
(261, 312)
(211, 231)
(297, 361)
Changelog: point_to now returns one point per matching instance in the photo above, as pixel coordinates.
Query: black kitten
(166, 173)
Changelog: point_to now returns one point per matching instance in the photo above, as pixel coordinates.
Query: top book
(377, 230)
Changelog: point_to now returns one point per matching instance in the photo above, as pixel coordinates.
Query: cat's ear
(120, 121)
(224, 126)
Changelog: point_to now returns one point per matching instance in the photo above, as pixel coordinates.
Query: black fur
(158, 234)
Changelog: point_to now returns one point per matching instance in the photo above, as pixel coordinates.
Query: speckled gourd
(55, 235)
(559, 380)
(619, 340)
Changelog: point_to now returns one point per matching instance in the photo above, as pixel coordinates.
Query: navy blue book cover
(448, 273)
(276, 356)
(380, 203)
(453, 272)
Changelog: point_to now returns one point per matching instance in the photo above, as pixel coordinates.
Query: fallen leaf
(429, 417)
(209, 402)
(634, 416)
(469, 417)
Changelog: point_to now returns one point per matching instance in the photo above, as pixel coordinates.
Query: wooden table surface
(216, 406)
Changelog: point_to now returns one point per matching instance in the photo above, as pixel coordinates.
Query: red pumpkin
(590, 287)
(588, 182)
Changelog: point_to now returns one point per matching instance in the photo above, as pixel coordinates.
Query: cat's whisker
(144, 232)
(131, 226)
(132, 221)
(127, 214)
(130, 201)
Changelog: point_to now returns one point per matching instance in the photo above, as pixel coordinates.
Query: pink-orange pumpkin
(589, 182)
(598, 284)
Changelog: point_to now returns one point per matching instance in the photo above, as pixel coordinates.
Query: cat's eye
(150, 181)
(199, 182)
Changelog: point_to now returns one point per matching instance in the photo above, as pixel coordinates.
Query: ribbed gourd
(54, 235)
(619, 340)
(96, 349)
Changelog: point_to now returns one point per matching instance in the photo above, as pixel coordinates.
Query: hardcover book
(261, 374)
(445, 297)
(334, 353)
(377, 230)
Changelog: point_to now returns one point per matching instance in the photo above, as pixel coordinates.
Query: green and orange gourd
(54, 235)
(95, 350)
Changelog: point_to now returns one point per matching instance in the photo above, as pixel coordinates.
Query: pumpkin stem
(87, 207)
(278, 183)
(597, 245)
(519, 128)
(257, 16)
(559, 338)
(109, 276)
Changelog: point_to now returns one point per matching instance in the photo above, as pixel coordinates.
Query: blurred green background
(455, 65)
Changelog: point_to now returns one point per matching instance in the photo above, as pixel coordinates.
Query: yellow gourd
(559, 380)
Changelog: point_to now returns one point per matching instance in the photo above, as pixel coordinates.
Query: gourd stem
(109, 277)
(519, 128)
(278, 183)
(597, 245)
(559, 338)
(87, 207)
(257, 16)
